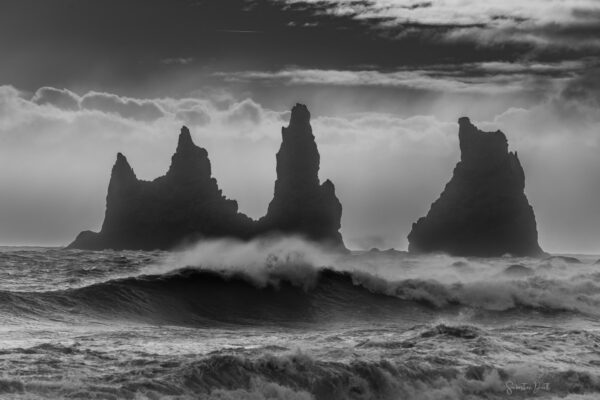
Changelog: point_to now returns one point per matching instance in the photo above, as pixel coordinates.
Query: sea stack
(483, 210)
(301, 204)
(184, 205)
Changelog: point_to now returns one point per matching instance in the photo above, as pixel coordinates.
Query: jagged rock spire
(185, 140)
(122, 178)
(300, 203)
(190, 162)
(300, 116)
(186, 204)
(122, 171)
(122, 186)
(483, 211)
(298, 157)
(478, 145)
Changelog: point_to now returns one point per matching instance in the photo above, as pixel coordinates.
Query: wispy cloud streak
(488, 78)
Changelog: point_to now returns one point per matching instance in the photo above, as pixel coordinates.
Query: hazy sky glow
(385, 80)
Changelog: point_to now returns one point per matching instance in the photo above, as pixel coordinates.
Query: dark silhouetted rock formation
(186, 204)
(300, 204)
(483, 210)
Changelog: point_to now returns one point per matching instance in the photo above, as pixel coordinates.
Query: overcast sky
(385, 80)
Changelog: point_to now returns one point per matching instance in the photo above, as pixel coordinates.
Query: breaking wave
(292, 281)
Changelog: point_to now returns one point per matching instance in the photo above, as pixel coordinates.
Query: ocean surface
(286, 320)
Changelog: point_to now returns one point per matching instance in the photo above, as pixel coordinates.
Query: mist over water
(41, 206)
(282, 318)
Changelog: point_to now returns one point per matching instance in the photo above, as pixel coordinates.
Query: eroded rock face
(186, 204)
(483, 210)
(301, 204)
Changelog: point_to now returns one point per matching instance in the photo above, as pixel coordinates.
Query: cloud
(336, 35)
(546, 23)
(197, 117)
(177, 61)
(143, 110)
(245, 111)
(387, 169)
(485, 77)
(61, 98)
(193, 112)
(64, 156)
(585, 88)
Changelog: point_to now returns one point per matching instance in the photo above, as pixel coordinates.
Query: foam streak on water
(282, 319)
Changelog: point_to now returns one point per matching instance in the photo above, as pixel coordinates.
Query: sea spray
(284, 319)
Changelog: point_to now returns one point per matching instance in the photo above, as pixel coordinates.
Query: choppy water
(285, 320)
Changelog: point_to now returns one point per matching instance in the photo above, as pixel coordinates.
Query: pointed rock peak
(122, 170)
(185, 139)
(121, 158)
(121, 163)
(300, 115)
(464, 121)
(189, 160)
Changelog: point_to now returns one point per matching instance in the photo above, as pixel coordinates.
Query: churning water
(282, 319)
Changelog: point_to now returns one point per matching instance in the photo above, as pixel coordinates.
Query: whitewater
(285, 319)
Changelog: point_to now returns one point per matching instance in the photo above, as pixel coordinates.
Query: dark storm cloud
(534, 17)
(122, 43)
(581, 94)
(425, 4)
(118, 45)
